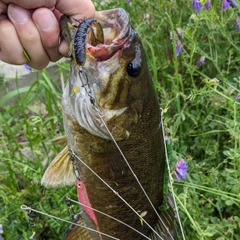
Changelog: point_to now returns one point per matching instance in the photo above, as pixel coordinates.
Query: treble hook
(29, 211)
(70, 207)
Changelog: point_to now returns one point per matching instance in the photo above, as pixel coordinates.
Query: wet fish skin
(75, 232)
(129, 107)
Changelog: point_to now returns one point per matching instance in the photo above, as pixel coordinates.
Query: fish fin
(61, 140)
(60, 172)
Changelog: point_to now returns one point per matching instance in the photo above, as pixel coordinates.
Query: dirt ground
(10, 71)
(13, 77)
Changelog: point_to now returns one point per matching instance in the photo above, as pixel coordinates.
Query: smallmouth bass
(112, 122)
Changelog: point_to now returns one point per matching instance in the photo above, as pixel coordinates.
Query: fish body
(112, 122)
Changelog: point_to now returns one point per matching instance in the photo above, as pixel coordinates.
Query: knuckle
(11, 50)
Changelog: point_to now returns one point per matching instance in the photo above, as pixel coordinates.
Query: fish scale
(109, 165)
(96, 130)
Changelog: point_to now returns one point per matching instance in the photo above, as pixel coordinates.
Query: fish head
(112, 84)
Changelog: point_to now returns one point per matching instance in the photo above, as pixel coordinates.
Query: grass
(201, 117)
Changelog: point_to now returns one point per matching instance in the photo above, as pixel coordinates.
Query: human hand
(33, 26)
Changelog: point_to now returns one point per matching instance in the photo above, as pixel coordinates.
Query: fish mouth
(104, 61)
(116, 34)
(98, 92)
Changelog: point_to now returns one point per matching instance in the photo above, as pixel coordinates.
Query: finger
(76, 9)
(57, 14)
(32, 4)
(3, 16)
(49, 30)
(28, 35)
(3, 7)
(64, 48)
(11, 49)
(73, 8)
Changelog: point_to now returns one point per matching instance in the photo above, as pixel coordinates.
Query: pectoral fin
(60, 172)
(62, 140)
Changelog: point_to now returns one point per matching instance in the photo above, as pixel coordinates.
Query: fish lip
(95, 75)
(118, 20)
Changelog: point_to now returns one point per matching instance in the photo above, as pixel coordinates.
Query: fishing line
(115, 192)
(28, 209)
(119, 149)
(86, 85)
(84, 205)
(171, 185)
(88, 91)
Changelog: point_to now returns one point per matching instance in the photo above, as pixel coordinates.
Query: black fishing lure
(80, 39)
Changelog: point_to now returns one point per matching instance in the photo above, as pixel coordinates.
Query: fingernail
(45, 20)
(18, 14)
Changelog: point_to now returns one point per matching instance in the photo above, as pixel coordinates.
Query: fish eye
(134, 68)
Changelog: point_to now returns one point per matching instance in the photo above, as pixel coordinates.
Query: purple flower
(207, 5)
(181, 169)
(27, 67)
(166, 138)
(1, 231)
(176, 34)
(238, 97)
(201, 61)
(225, 5)
(238, 23)
(127, 1)
(178, 48)
(197, 5)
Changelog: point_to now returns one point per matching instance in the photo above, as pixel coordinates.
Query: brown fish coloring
(112, 122)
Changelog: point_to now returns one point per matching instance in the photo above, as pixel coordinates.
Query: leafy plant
(194, 62)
